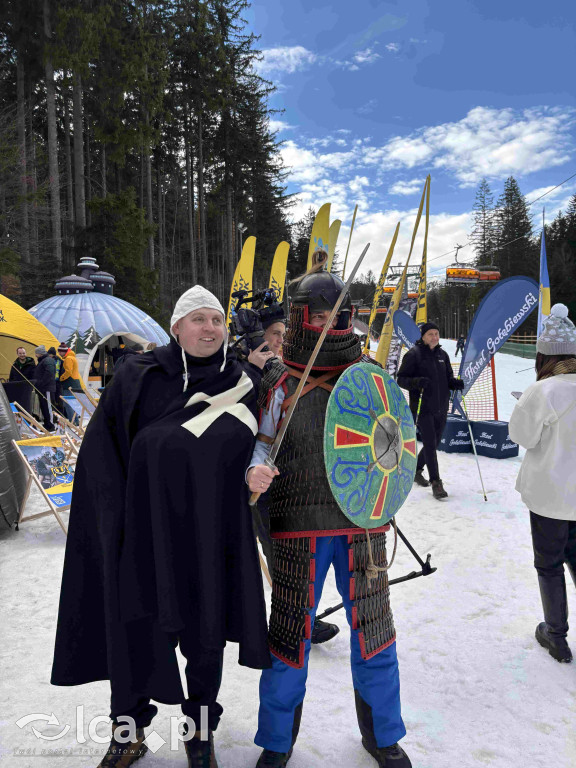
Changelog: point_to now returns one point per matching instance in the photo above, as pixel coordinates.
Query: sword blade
(302, 383)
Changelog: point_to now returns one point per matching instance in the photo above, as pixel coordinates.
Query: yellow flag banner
(332, 240)
(422, 308)
(243, 276)
(349, 241)
(388, 327)
(320, 236)
(278, 271)
(380, 286)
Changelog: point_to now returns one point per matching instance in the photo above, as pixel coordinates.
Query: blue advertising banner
(501, 312)
(406, 329)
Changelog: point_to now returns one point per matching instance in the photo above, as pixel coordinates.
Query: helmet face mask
(320, 291)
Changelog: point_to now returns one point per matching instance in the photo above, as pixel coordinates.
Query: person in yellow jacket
(70, 377)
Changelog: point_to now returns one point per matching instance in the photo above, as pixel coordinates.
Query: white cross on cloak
(224, 402)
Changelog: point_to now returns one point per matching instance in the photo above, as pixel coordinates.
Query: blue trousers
(377, 681)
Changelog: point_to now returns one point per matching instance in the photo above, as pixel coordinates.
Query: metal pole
(474, 447)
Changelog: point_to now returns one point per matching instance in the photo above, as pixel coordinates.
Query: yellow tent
(18, 328)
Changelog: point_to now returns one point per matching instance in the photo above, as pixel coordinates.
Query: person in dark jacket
(460, 344)
(45, 383)
(21, 374)
(426, 372)
(23, 367)
(160, 548)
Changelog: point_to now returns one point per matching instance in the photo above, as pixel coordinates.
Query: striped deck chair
(49, 462)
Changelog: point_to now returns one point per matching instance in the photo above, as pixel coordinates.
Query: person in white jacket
(544, 422)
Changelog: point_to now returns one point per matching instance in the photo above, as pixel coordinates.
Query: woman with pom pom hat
(544, 422)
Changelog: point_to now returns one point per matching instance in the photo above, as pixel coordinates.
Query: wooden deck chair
(26, 429)
(80, 411)
(88, 406)
(38, 428)
(91, 396)
(49, 462)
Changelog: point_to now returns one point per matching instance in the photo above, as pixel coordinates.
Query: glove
(457, 384)
(422, 382)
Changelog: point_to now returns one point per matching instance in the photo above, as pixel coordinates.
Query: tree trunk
(190, 211)
(68, 156)
(52, 142)
(161, 251)
(21, 125)
(33, 183)
(88, 174)
(79, 190)
(149, 208)
(201, 205)
(103, 170)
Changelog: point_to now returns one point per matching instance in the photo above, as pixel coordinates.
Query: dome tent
(85, 314)
(19, 328)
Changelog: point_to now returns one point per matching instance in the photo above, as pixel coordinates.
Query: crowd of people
(50, 376)
(163, 555)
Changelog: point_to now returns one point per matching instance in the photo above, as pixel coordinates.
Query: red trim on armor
(311, 595)
(367, 656)
(350, 557)
(332, 332)
(335, 532)
(352, 589)
(307, 627)
(312, 569)
(324, 367)
(289, 663)
(354, 617)
(312, 543)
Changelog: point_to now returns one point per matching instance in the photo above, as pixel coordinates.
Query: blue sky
(376, 95)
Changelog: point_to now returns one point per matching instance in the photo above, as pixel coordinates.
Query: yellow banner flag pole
(380, 287)
(320, 235)
(278, 271)
(332, 240)
(243, 275)
(422, 308)
(349, 241)
(388, 327)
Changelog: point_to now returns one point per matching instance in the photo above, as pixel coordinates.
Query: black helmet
(320, 291)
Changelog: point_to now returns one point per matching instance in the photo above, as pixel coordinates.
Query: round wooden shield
(369, 445)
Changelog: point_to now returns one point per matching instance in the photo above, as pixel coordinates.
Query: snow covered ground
(477, 690)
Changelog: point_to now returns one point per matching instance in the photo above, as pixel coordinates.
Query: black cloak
(160, 534)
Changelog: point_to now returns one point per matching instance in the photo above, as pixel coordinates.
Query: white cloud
(367, 56)
(279, 125)
(487, 142)
(393, 47)
(285, 59)
(406, 187)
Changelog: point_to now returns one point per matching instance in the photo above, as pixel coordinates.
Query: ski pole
(474, 447)
(526, 369)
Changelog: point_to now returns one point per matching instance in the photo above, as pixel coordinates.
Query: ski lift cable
(517, 238)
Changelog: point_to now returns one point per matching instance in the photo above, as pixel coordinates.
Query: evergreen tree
(516, 252)
(483, 233)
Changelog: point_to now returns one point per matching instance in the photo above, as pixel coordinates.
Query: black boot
(201, 754)
(419, 479)
(322, 631)
(552, 632)
(438, 489)
(387, 757)
(271, 759)
(122, 755)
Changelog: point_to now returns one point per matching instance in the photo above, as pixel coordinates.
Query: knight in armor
(310, 533)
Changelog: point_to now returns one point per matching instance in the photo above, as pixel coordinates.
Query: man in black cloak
(160, 550)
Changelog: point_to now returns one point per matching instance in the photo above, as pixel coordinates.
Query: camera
(248, 322)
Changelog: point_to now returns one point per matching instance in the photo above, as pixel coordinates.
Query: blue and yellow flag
(544, 297)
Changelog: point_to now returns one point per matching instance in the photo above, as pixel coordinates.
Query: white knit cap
(559, 334)
(196, 297)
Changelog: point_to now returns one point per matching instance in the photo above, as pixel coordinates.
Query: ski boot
(322, 631)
